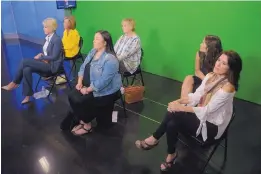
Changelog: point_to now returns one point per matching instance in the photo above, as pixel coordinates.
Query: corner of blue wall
(24, 18)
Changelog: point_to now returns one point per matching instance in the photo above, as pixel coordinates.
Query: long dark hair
(214, 50)
(235, 67)
(109, 44)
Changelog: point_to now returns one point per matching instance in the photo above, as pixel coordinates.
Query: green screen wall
(172, 31)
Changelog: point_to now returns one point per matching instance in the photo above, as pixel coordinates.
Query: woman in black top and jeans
(206, 57)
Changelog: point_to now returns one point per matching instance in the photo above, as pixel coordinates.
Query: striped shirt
(128, 50)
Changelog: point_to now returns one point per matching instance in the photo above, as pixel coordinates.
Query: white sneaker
(60, 80)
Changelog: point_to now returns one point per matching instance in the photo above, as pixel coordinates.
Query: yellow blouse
(71, 43)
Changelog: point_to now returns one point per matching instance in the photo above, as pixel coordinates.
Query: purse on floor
(134, 93)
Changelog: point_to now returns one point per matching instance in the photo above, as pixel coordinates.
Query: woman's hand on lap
(79, 86)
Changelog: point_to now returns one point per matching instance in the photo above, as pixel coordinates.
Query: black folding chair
(75, 58)
(50, 78)
(126, 75)
(211, 146)
(121, 98)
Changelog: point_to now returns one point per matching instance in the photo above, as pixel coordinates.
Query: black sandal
(80, 127)
(141, 144)
(169, 165)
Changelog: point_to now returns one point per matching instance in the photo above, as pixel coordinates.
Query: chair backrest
(141, 57)
(224, 135)
(81, 43)
(62, 55)
(231, 120)
(207, 143)
(142, 54)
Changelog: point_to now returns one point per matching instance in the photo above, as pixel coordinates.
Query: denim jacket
(104, 74)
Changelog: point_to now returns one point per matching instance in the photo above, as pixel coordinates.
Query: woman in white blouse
(128, 47)
(206, 112)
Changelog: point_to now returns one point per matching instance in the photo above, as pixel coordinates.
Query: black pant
(87, 107)
(26, 68)
(184, 122)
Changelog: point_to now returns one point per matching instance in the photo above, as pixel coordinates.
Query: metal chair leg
(134, 77)
(68, 82)
(75, 68)
(225, 154)
(142, 81)
(72, 68)
(124, 81)
(37, 84)
(54, 80)
(124, 108)
(210, 156)
(82, 58)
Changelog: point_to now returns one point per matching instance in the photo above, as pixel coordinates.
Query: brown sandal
(168, 165)
(141, 144)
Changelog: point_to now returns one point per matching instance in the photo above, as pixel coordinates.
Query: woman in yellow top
(70, 41)
(70, 38)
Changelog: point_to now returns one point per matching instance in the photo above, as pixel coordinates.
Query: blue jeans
(26, 68)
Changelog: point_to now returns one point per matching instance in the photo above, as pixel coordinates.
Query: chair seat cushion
(128, 74)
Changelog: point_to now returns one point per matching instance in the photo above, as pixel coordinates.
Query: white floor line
(144, 115)
(155, 102)
(155, 121)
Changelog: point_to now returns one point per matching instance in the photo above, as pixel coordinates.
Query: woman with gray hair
(46, 62)
(128, 47)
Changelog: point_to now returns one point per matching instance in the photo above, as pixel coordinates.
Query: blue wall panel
(26, 17)
(45, 9)
(7, 18)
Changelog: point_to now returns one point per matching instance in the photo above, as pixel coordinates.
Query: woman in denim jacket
(99, 82)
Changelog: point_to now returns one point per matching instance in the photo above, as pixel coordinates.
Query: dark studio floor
(31, 132)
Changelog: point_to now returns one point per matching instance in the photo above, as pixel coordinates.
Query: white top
(128, 50)
(218, 111)
(47, 38)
